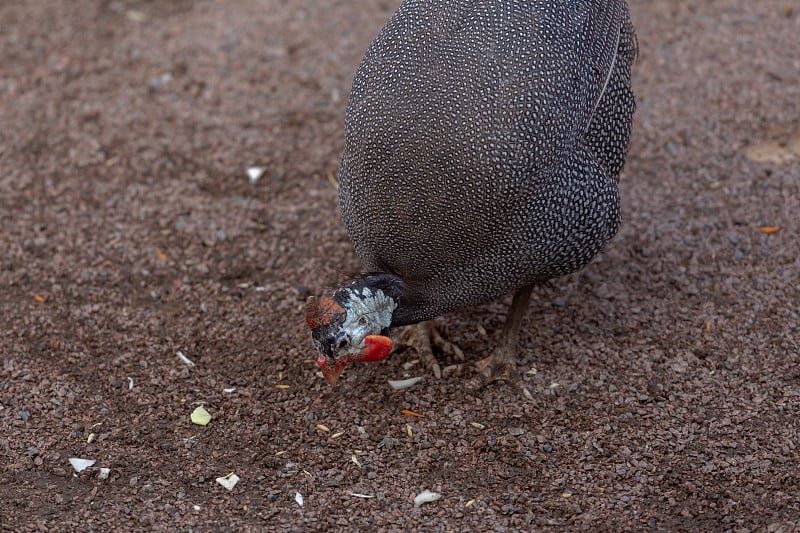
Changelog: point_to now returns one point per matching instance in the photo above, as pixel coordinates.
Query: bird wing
(603, 22)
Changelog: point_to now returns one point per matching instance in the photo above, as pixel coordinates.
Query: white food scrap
(80, 464)
(185, 359)
(135, 15)
(228, 481)
(426, 496)
(404, 383)
(254, 174)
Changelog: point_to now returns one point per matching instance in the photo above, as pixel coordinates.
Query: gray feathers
(483, 141)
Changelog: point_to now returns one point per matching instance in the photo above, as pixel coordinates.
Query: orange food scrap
(161, 255)
(769, 229)
(410, 413)
(38, 298)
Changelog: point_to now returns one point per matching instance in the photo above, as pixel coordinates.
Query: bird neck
(406, 302)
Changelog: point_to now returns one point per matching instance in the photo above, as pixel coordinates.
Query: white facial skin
(368, 313)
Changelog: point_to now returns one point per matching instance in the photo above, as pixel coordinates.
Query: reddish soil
(666, 388)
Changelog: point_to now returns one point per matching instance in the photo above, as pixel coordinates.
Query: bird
(483, 143)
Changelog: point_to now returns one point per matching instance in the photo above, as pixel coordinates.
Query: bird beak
(330, 370)
(376, 348)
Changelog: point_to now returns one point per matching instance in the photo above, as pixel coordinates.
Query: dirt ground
(665, 380)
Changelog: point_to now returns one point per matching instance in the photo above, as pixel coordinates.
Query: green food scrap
(201, 417)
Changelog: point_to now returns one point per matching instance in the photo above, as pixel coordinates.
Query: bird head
(352, 326)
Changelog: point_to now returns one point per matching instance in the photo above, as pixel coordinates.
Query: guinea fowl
(483, 145)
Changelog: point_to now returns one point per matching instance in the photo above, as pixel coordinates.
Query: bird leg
(502, 364)
(423, 338)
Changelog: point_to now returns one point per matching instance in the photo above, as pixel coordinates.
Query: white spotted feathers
(483, 143)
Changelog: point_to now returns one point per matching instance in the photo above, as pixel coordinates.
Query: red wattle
(377, 348)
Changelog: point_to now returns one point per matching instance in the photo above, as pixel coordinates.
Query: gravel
(132, 232)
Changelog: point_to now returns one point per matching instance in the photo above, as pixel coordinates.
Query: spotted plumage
(483, 144)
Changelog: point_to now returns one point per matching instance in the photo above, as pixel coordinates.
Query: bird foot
(423, 338)
(497, 367)
(500, 366)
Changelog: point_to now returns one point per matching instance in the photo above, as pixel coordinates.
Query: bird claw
(496, 367)
(423, 338)
(446, 347)
(500, 366)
